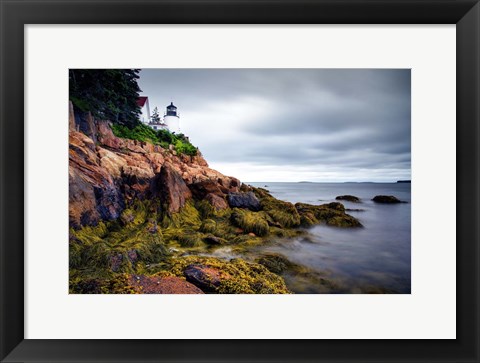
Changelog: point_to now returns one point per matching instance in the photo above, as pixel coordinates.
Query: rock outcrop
(244, 200)
(348, 198)
(386, 199)
(106, 172)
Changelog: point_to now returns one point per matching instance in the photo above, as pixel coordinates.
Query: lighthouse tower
(171, 119)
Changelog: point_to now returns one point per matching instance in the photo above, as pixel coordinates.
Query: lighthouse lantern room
(171, 118)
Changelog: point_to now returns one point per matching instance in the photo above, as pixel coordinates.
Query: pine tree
(155, 116)
(109, 94)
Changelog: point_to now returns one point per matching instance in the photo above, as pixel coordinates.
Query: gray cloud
(293, 124)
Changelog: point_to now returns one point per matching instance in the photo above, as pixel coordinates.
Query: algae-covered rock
(205, 277)
(214, 240)
(276, 263)
(333, 214)
(208, 226)
(282, 214)
(348, 198)
(116, 284)
(228, 277)
(250, 222)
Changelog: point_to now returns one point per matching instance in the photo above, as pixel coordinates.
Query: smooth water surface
(373, 258)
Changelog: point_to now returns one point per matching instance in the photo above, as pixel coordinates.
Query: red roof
(141, 101)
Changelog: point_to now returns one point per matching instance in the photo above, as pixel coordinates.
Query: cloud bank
(321, 125)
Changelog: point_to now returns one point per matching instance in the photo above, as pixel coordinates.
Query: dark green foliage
(109, 94)
(185, 148)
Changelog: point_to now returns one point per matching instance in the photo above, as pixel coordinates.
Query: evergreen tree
(155, 116)
(109, 94)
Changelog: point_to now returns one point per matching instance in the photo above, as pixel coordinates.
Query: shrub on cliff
(163, 138)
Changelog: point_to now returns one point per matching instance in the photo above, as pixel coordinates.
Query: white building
(171, 119)
(145, 108)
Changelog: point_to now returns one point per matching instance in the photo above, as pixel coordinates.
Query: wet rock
(333, 214)
(275, 263)
(206, 278)
(348, 198)
(236, 276)
(386, 199)
(214, 240)
(244, 200)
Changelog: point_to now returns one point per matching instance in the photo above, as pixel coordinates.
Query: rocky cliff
(106, 172)
(145, 219)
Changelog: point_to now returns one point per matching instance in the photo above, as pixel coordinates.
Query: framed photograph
(240, 181)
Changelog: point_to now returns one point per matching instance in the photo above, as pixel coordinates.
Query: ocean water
(375, 258)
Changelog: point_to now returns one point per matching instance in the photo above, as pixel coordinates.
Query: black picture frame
(17, 13)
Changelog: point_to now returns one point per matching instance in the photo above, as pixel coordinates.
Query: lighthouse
(171, 119)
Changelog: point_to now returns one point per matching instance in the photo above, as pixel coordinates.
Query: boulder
(216, 201)
(386, 199)
(209, 186)
(107, 138)
(171, 189)
(332, 214)
(205, 277)
(214, 240)
(348, 198)
(244, 200)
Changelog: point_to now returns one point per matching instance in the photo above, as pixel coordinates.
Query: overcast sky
(321, 125)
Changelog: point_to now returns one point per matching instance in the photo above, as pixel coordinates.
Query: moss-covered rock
(116, 284)
(283, 213)
(208, 226)
(276, 263)
(250, 222)
(228, 277)
(332, 214)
